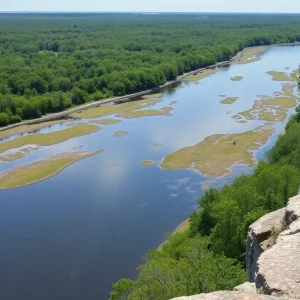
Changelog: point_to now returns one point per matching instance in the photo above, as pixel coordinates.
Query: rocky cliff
(273, 259)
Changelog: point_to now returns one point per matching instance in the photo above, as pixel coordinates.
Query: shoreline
(80, 155)
(65, 113)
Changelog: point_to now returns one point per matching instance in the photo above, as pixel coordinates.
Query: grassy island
(40, 170)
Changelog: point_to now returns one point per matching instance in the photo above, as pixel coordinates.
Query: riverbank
(60, 115)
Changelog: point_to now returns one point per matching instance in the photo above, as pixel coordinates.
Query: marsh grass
(279, 76)
(106, 121)
(148, 163)
(146, 113)
(40, 170)
(216, 154)
(229, 100)
(252, 54)
(120, 133)
(47, 139)
(271, 109)
(113, 109)
(200, 75)
(28, 128)
(236, 78)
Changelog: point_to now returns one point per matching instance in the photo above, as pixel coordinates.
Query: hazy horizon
(131, 6)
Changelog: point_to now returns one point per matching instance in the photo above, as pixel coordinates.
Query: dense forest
(52, 62)
(210, 255)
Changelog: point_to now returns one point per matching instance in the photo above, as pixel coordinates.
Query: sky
(283, 6)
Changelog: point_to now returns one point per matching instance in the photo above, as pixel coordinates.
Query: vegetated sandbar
(28, 128)
(107, 121)
(112, 109)
(216, 154)
(279, 76)
(271, 109)
(200, 75)
(148, 163)
(120, 133)
(17, 155)
(146, 113)
(250, 55)
(40, 170)
(236, 78)
(229, 100)
(46, 139)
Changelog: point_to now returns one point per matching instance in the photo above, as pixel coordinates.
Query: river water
(71, 236)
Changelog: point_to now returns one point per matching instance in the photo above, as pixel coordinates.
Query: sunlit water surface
(73, 235)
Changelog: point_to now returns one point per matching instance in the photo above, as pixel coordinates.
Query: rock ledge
(273, 259)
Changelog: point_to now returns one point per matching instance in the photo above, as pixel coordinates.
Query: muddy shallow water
(74, 234)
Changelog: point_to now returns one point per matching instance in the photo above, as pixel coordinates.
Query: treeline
(211, 254)
(52, 62)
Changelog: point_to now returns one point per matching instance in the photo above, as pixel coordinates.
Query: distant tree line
(211, 254)
(50, 63)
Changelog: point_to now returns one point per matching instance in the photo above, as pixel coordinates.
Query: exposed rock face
(279, 267)
(258, 239)
(293, 210)
(248, 287)
(230, 296)
(273, 266)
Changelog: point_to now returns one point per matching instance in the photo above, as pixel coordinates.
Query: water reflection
(71, 236)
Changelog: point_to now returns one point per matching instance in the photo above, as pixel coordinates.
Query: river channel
(74, 234)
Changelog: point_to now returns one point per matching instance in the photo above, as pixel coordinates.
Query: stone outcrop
(248, 287)
(279, 267)
(292, 210)
(258, 239)
(273, 259)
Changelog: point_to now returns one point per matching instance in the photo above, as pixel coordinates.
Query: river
(71, 236)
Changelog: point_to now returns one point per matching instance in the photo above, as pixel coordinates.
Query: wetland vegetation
(106, 121)
(120, 133)
(165, 111)
(229, 100)
(109, 109)
(148, 163)
(46, 139)
(271, 109)
(39, 170)
(237, 78)
(216, 154)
